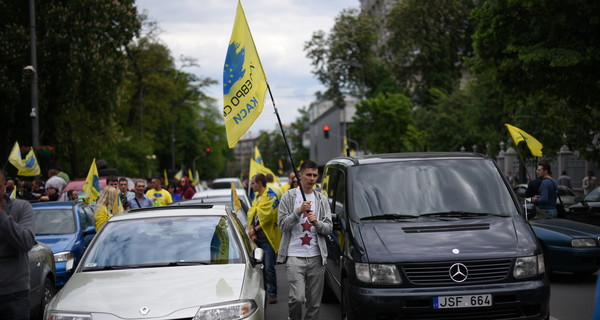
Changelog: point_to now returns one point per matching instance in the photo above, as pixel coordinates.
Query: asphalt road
(572, 298)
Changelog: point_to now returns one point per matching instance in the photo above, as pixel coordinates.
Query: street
(572, 298)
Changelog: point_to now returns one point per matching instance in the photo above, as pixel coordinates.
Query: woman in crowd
(106, 206)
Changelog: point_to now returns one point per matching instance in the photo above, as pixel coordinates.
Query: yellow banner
(519, 135)
(244, 81)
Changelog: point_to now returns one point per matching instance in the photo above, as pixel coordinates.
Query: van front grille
(438, 273)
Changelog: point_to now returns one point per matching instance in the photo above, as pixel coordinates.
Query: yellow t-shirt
(163, 196)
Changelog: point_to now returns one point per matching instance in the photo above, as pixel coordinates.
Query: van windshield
(430, 186)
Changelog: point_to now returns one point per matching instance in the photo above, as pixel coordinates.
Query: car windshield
(54, 221)
(158, 242)
(593, 196)
(469, 187)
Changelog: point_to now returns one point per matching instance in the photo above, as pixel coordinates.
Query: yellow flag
(15, 156)
(519, 135)
(257, 156)
(259, 168)
(13, 194)
(235, 200)
(196, 178)
(244, 81)
(280, 170)
(92, 184)
(178, 175)
(30, 166)
(166, 177)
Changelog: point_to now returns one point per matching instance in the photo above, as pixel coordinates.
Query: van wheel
(347, 313)
(47, 295)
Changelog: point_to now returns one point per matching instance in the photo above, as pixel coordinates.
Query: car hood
(58, 243)
(163, 291)
(568, 227)
(493, 237)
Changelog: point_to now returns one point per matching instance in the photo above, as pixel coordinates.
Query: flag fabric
(244, 81)
(30, 166)
(191, 176)
(196, 178)
(255, 168)
(92, 184)
(13, 194)
(235, 199)
(519, 135)
(166, 177)
(178, 175)
(257, 156)
(15, 156)
(280, 170)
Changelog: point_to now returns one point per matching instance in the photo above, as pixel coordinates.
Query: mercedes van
(430, 236)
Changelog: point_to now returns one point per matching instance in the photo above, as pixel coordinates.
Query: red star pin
(306, 239)
(306, 226)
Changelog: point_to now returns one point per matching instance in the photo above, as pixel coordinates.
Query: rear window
(430, 186)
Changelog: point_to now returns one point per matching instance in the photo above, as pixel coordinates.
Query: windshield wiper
(460, 214)
(389, 216)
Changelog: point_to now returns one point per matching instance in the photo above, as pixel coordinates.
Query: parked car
(42, 275)
(430, 236)
(77, 184)
(586, 209)
(222, 196)
(225, 183)
(67, 228)
(569, 246)
(170, 262)
(241, 214)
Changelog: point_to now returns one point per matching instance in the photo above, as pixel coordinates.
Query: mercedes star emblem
(459, 272)
(144, 310)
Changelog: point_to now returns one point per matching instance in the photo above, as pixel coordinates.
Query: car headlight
(377, 273)
(231, 310)
(69, 316)
(583, 243)
(65, 256)
(526, 267)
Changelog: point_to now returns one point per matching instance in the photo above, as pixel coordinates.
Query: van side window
(340, 195)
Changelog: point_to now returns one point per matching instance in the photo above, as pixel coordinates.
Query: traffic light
(326, 131)
(207, 151)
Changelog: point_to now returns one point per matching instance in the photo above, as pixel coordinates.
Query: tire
(346, 306)
(47, 295)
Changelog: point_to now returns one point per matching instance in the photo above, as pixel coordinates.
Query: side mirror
(258, 255)
(89, 230)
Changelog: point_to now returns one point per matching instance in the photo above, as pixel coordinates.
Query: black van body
(430, 236)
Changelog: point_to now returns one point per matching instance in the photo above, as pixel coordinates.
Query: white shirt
(303, 242)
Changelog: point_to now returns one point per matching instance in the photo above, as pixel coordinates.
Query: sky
(201, 29)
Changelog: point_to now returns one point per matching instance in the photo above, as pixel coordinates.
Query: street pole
(35, 119)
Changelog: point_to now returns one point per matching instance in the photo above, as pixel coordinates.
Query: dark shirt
(533, 188)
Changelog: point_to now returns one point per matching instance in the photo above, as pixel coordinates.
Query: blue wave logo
(30, 162)
(96, 183)
(234, 64)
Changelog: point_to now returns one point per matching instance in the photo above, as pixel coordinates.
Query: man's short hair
(122, 179)
(109, 179)
(140, 181)
(260, 178)
(309, 164)
(269, 177)
(546, 166)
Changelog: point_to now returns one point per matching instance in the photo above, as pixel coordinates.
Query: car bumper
(569, 259)
(521, 300)
(61, 273)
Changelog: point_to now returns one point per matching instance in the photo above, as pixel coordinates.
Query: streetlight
(32, 71)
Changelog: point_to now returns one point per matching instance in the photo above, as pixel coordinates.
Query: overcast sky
(201, 29)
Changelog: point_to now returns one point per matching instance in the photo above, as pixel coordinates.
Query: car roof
(393, 157)
(226, 179)
(54, 204)
(216, 193)
(172, 211)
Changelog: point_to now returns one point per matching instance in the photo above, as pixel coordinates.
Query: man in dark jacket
(16, 239)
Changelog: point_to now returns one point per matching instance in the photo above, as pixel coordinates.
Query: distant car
(586, 209)
(67, 228)
(78, 186)
(222, 196)
(41, 278)
(225, 183)
(569, 246)
(170, 262)
(241, 214)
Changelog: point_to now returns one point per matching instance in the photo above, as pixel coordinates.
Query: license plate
(470, 301)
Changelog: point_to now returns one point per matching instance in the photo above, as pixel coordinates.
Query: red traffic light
(326, 131)
(207, 149)
(325, 128)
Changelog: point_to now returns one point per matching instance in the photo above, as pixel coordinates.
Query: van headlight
(583, 243)
(65, 256)
(377, 273)
(241, 309)
(526, 267)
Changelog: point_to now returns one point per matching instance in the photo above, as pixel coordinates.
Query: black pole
(286, 144)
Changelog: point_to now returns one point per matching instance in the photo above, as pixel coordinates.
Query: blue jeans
(269, 272)
(15, 306)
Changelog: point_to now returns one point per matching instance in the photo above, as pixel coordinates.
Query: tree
(384, 122)
(428, 45)
(545, 55)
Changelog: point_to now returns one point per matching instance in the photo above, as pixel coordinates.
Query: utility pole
(35, 119)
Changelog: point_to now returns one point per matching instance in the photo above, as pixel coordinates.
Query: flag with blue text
(30, 166)
(244, 81)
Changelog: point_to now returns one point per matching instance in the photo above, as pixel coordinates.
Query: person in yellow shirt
(263, 229)
(106, 206)
(160, 196)
(291, 184)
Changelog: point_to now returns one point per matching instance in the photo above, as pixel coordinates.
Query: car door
(336, 191)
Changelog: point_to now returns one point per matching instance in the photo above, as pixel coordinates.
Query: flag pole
(286, 144)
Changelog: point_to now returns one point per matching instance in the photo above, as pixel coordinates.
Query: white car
(219, 195)
(172, 262)
(225, 183)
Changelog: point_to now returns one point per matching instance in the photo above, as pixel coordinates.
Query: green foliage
(295, 136)
(384, 122)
